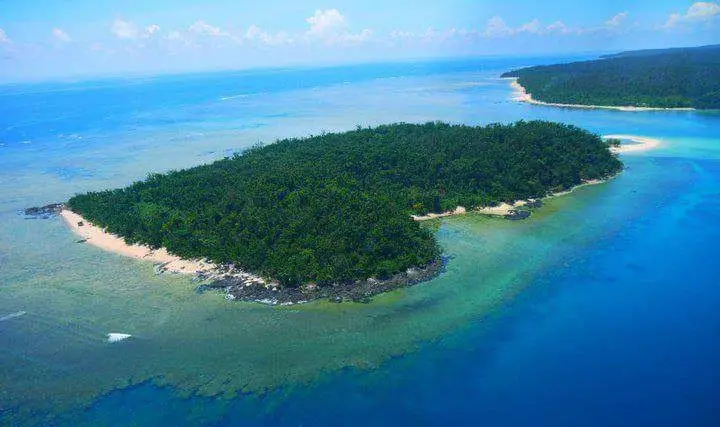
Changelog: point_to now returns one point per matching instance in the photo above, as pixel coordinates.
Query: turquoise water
(600, 310)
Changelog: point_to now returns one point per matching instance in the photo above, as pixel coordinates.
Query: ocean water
(602, 309)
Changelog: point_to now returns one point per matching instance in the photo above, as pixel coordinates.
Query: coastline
(98, 237)
(508, 210)
(235, 283)
(522, 95)
(244, 286)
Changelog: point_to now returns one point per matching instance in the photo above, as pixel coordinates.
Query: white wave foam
(12, 316)
(115, 337)
(242, 95)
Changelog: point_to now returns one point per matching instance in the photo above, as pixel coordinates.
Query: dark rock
(535, 204)
(360, 291)
(516, 214)
(46, 211)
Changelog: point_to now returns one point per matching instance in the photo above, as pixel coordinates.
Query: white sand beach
(521, 95)
(96, 236)
(458, 211)
(500, 210)
(639, 143)
(503, 208)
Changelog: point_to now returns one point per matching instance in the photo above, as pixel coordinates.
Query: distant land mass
(656, 78)
(336, 207)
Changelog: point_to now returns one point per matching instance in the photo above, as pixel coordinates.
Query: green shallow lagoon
(203, 344)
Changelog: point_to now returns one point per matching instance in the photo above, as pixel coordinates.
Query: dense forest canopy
(336, 207)
(681, 77)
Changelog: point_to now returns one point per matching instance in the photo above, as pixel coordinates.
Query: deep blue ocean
(601, 310)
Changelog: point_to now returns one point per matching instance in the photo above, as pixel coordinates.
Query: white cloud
(258, 35)
(150, 30)
(496, 27)
(532, 27)
(360, 37)
(124, 29)
(558, 27)
(204, 29)
(174, 35)
(699, 12)
(431, 35)
(326, 23)
(617, 20)
(4, 37)
(331, 27)
(61, 35)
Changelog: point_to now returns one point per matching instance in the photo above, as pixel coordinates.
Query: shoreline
(508, 210)
(522, 95)
(243, 286)
(102, 239)
(235, 283)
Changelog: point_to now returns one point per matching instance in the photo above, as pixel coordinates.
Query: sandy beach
(96, 236)
(458, 211)
(639, 143)
(500, 210)
(503, 208)
(522, 95)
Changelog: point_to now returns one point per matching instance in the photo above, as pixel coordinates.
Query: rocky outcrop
(46, 211)
(245, 287)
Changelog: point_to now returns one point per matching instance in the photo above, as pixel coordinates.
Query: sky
(55, 39)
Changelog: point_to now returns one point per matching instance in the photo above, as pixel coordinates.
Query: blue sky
(61, 38)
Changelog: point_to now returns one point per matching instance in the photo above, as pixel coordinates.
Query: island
(679, 78)
(335, 215)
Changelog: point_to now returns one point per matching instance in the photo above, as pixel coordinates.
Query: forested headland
(662, 78)
(336, 207)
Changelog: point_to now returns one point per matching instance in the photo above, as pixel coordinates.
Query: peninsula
(331, 215)
(663, 79)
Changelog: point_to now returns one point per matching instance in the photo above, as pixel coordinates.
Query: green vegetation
(336, 207)
(686, 77)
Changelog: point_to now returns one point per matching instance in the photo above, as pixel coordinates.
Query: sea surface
(603, 309)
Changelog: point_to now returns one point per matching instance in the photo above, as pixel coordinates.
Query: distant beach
(639, 143)
(522, 95)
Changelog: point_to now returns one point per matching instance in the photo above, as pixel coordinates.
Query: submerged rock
(46, 211)
(516, 214)
(535, 204)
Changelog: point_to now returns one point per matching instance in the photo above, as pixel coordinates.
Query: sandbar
(639, 143)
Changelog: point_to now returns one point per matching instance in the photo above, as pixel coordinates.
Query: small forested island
(661, 78)
(333, 211)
